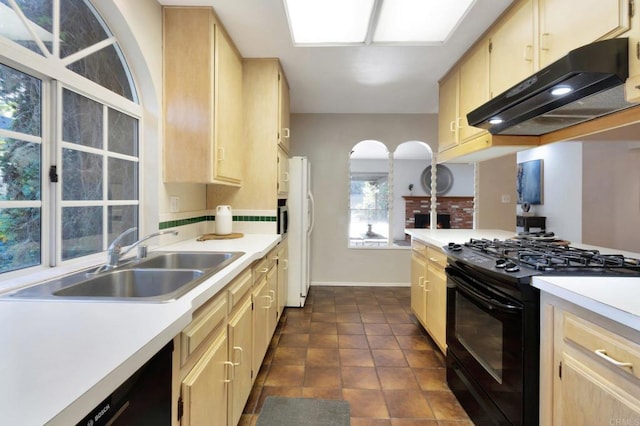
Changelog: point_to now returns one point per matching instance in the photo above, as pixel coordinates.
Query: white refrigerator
(301, 206)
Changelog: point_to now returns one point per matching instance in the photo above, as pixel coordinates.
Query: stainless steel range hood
(585, 84)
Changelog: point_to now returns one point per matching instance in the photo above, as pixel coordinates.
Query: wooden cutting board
(231, 236)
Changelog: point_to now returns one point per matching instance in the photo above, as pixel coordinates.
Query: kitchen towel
(280, 411)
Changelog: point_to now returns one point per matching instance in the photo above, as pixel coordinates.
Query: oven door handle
(487, 302)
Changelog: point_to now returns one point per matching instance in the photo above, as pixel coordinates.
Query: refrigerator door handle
(312, 212)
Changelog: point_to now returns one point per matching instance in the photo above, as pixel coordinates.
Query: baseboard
(358, 284)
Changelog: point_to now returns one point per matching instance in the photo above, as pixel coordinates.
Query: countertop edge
(552, 286)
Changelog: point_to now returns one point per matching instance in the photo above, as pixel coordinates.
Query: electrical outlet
(506, 198)
(174, 204)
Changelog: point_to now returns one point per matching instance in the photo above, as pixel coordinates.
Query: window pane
(81, 231)
(38, 12)
(20, 230)
(123, 133)
(106, 68)
(122, 218)
(20, 102)
(123, 179)
(81, 175)
(19, 170)
(81, 120)
(79, 27)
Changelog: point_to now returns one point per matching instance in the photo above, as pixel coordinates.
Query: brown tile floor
(363, 345)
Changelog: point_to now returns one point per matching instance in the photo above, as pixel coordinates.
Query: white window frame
(54, 75)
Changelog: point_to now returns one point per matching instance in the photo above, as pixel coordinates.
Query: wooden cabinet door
(567, 24)
(283, 275)
(261, 302)
(474, 89)
(284, 128)
(448, 112)
(418, 293)
(283, 172)
(587, 398)
(228, 111)
(512, 49)
(240, 354)
(436, 304)
(204, 389)
(272, 293)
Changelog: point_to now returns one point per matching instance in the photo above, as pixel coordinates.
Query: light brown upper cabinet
(284, 132)
(568, 24)
(512, 49)
(202, 99)
(462, 90)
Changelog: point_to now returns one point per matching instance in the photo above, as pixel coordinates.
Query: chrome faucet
(114, 252)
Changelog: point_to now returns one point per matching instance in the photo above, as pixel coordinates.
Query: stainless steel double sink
(162, 277)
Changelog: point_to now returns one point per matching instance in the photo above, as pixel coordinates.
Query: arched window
(369, 195)
(69, 147)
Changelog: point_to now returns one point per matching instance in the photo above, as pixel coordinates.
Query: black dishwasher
(143, 399)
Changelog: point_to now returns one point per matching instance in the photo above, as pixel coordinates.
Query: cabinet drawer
(436, 256)
(239, 287)
(419, 248)
(205, 321)
(613, 350)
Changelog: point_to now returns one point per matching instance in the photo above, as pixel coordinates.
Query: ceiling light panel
(329, 21)
(419, 21)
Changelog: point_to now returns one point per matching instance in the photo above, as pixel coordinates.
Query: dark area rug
(280, 411)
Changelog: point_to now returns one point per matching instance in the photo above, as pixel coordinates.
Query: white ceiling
(366, 79)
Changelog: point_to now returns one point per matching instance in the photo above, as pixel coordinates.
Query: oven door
(485, 347)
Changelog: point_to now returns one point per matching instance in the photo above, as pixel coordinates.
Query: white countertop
(59, 359)
(614, 298)
(442, 237)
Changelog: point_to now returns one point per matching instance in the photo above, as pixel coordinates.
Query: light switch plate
(174, 204)
(506, 198)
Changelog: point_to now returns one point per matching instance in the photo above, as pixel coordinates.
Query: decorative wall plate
(444, 179)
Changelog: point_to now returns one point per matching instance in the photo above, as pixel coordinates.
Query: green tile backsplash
(189, 221)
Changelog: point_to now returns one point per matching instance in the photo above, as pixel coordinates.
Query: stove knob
(511, 267)
(455, 247)
(500, 263)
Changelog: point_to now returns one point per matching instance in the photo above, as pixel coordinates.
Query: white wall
(611, 195)
(562, 187)
(327, 139)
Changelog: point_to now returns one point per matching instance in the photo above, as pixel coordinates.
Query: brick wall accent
(460, 209)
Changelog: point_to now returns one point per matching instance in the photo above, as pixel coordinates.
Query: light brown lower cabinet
(204, 389)
(240, 350)
(590, 368)
(429, 290)
(218, 355)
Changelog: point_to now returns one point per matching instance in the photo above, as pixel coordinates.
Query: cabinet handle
(233, 372)
(452, 126)
(286, 264)
(426, 289)
(268, 305)
(220, 154)
(286, 133)
(528, 53)
(544, 41)
(264, 270)
(238, 349)
(433, 259)
(285, 176)
(602, 353)
(272, 296)
(421, 282)
(458, 121)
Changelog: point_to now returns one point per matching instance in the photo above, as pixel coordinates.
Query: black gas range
(493, 319)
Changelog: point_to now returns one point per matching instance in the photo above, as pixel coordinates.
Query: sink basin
(163, 277)
(133, 283)
(190, 260)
